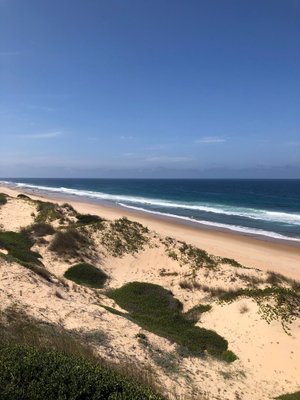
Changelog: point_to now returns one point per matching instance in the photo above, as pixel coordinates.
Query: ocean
(265, 208)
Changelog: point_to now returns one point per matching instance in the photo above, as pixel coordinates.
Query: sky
(157, 88)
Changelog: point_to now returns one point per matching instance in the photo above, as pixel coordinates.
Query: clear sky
(156, 88)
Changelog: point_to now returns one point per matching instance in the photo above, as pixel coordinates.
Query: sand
(269, 359)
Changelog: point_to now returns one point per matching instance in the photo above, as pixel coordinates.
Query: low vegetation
(18, 247)
(291, 396)
(195, 313)
(69, 243)
(86, 275)
(39, 229)
(23, 196)
(155, 309)
(3, 199)
(48, 212)
(275, 303)
(87, 219)
(41, 361)
(124, 237)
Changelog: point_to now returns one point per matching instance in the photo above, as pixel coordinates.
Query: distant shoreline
(275, 255)
(54, 192)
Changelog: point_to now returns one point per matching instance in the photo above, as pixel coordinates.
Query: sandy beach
(259, 253)
(268, 356)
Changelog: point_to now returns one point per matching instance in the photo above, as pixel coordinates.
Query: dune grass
(155, 309)
(86, 275)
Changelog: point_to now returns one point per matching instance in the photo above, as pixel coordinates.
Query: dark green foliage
(23, 196)
(48, 212)
(39, 229)
(125, 236)
(228, 356)
(155, 309)
(69, 243)
(18, 246)
(194, 313)
(87, 219)
(29, 373)
(275, 303)
(3, 199)
(291, 396)
(87, 275)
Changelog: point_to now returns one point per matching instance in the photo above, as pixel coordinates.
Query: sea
(268, 209)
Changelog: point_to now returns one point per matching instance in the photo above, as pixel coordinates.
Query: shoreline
(266, 254)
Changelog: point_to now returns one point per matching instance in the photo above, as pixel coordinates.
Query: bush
(48, 212)
(87, 219)
(39, 229)
(291, 396)
(155, 309)
(3, 199)
(69, 243)
(23, 196)
(87, 275)
(29, 373)
(18, 246)
(125, 236)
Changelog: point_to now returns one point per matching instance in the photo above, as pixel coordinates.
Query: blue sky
(156, 88)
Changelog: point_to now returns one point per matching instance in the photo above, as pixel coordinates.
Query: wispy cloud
(43, 135)
(211, 139)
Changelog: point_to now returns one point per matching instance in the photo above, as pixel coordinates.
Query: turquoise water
(269, 208)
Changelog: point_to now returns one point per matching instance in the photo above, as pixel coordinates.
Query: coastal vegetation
(18, 247)
(67, 368)
(124, 237)
(3, 199)
(157, 310)
(70, 243)
(86, 275)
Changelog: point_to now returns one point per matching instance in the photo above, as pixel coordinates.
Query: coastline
(264, 254)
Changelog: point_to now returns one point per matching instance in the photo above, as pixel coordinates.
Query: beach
(265, 254)
(267, 351)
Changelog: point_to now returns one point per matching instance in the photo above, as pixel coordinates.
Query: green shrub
(39, 229)
(125, 236)
(291, 396)
(87, 275)
(29, 373)
(69, 243)
(18, 246)
(48, 212)
(23, 196)
(87, 219)
(3, 199)
(155, 309)
(194, 313)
